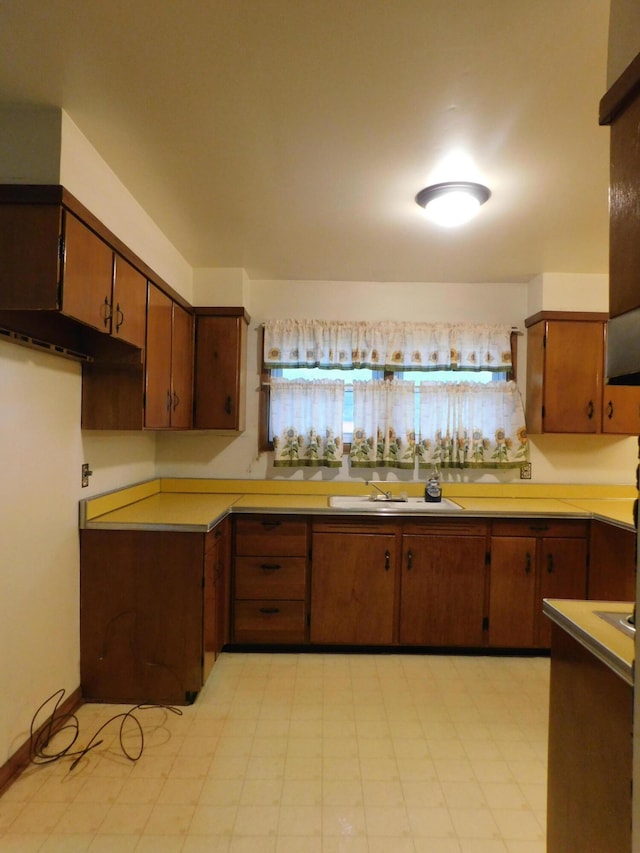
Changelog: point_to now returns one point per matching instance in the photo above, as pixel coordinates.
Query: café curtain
(383, 424)
(306, 422)
(471, 425)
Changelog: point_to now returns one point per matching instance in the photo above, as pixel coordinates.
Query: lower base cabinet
(532, 560)
(443, 583)
(612, 563)
(590, 752)
(150, 623)
(354, 583)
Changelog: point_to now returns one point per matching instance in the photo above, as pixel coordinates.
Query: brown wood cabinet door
(353, 588)
(129, 315)
(612, 563)
(574, 366)
(563, 574)
(158, 360)
(87, 275)
(181, 368)
(442, 590)
(30, 270)
(624, 212)
(621, 410)
(210, 610)
(220, 373)
(512, 592)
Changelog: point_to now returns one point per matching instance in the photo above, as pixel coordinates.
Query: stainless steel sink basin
(618, 620)
(397, 505)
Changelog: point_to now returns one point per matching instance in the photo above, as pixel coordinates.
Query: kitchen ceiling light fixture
(452, 203)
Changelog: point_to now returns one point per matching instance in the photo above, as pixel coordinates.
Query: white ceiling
(289, 137)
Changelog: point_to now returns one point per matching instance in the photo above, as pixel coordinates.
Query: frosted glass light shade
(452, 203)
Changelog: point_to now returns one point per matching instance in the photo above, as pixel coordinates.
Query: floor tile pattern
(310, 753)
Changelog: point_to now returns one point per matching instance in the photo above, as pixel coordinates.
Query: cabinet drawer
(540, 527)
(270, 577)
(271, 535)
(268, 621)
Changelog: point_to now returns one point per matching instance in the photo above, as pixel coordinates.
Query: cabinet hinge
(487, 558)
(485, 623)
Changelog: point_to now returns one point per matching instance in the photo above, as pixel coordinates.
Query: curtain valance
(387, 345)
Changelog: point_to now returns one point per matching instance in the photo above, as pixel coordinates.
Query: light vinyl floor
(309, 753)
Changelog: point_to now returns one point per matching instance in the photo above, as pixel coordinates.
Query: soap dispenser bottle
(433, 489)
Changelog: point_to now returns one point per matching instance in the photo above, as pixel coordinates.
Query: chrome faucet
(387, 495)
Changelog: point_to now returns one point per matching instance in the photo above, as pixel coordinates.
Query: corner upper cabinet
(56, 268)
(220, 368)
(565, 368)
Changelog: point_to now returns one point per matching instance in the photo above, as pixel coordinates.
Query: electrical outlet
(86, 473)
(525, 471)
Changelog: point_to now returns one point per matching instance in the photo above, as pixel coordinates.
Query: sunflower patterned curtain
(387, 345)
(306, 422)
(383, 424)
(470, 425)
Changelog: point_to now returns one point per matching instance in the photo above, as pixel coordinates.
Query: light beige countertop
(613, 646)
(198, 505)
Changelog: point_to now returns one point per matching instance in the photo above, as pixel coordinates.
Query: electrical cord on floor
(59, 722)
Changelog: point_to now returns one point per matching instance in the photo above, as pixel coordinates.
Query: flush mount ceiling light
(453, 202)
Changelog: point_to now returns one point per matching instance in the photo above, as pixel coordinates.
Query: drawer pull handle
(590, 409)
(387, 561)
(609, 409)
(270, 524)
(271, 567)
(269, 610)
(538, 527)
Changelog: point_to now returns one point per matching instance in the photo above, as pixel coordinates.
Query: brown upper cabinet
(566, 388)
(220, 368)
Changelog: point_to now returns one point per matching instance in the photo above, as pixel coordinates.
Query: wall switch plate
(525, 471)
(86, 473)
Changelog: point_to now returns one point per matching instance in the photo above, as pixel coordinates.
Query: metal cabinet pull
(269, 610)
(270, 523)
(119, 317)
(106, 311)
(409, 560)
(527, 563)
(227, 405)
(550, 563)
(609, 409)
(176, 401)
(387, 560)
(590, 409)
(168, 401)
(270, 567)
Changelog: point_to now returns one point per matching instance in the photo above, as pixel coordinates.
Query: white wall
(555, 459)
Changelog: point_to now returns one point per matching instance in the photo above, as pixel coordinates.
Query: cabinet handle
(168, 401)
(409, 560)
(527, 563)
(270, 523)
(271, 567)
(590, 409)
(227, 405)
(119, 317)
(550, 563)
(269, 610)
(609, 409)
(176, 401)
(106, 311)
(538, 527)
(387, 561)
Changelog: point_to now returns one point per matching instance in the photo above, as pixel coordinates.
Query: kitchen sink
(364, 503)
(618, 620)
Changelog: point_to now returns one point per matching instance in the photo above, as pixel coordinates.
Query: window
(328, 361)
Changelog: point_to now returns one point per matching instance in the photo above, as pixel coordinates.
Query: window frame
(264, 445)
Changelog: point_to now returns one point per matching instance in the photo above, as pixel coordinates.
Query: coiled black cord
(59, 722)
